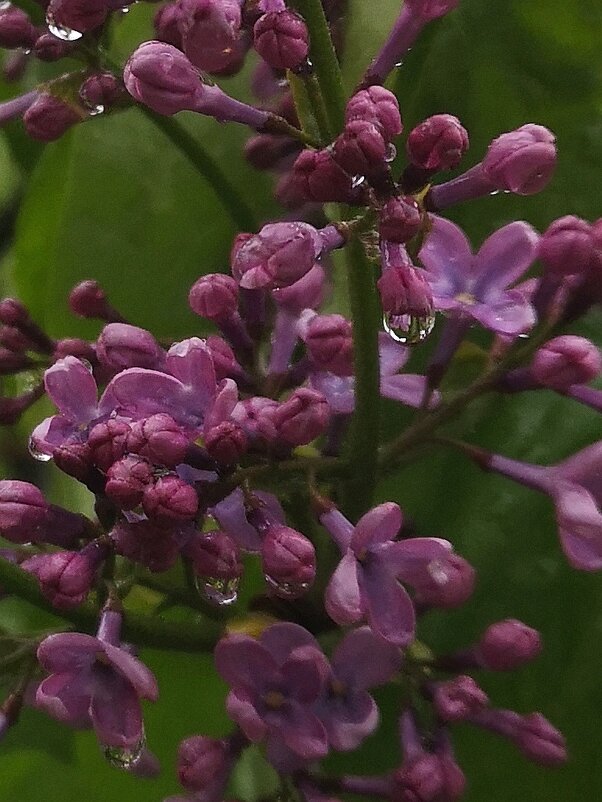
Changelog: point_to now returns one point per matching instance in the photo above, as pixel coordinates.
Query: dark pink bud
(107, 442)
(224, 360)
(202, 762)
(438, 143)
(77, 15)
(378, 106)
(74, 459)
(170, 499)
(458, 698)
(13, 312)
(127, 479)
(100, 91)
(567, 247)
(49, 117)
(210, 31)
(66, 577)
(307, 293)
(399, 219)
(214, 297)
(48, 48)
(431, 9)
(281, 38)
(226, 443)
(72, 346)
(158, 438)
(539, 741)
(361, 148)
(16, 29)
(14, 339)
(255, 415)
(420, 779)
(404, 290)
(23, 511)
(507, 645)
(302, 417)
(166, 24)
(565, 361)
(317, 177)
(289, 561)
(521, 161)
(146, 543)
(121, 346)
(12, 362)
(88, 300)
(215, 555)
(329, 341)
(445, 583)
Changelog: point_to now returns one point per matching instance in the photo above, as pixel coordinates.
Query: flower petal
(338, 391)
(116, 713)
(68, 651)
(223, 404)
(342, 598)
(305, 672)
(408, 389)
(139, 393)
(72, 388)
(303, 732)
(281, 639)
(404, 557)
(350, 720)
(240, 708)
(378, 525)
(511, 313)
(447, 256)
(504, 257)
(389, 608)
(191, 362)
(134, 671)
(579, 527)
(241, 661)
(66, 697)
(52, 433)
(364, 660)
(392, 355)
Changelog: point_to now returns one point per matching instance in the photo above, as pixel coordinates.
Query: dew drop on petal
(408, 329)
(220, 592)
(61, 31)
(286, 590)
(5, 5)
(357, 181)
(391, 153)
(35, 452)
(122, 758)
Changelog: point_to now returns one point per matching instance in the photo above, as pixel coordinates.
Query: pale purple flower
(475, 287)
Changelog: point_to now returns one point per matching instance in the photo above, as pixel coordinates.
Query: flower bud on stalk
(170, 499)
(289, 561)
(210, 32)
(565, 361)
(281, 39)
(316, 176)
(508, 645)
(48, 48)
(49, 117)
(16, 29)
(121, 346)
(378, 106)
(399, 220)
(75, 16)
(89, 300)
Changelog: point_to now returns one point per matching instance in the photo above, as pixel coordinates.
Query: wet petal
(511, 313)
(376, 526)
(364, 660)
(447, 256)
(389, 608)
(392, 355)
(72, 388)
(579, 527)
(241, 709)
(52, 433)
(66, 697)
(116, 713)
(408, 389)
(504, 257)
(241, 661)
(281, 639)
(342, 597)
(68, 651)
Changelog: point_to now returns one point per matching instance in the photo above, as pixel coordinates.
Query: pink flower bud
(302, 417)
(74, 459)
(281, 38)
(14, 339)
(49, 117)
(539, 741)
(399, 220)
(215, 555)
(378, 106)
(431, 9)
(507, 645)
(289, 561)
(567, 246)
(127, 479)
(88, 300)
(146, 543)
(307, 293)
(270, 152)
(203, 763)
(214, 297)
(565, 361)
(404, 290)
(329, 341)
(16, 29)
(77, 15)
(360, 149)
(437, 143)
(444, 583)
(159, 439)
(66, 577)
(166, 22)
(11, 362)
(13, 312)
(170, 499)
(458, 698)
(521, 161)
(255, 416)
(48, 48)
(210, 31)
(224, 360)
(101, 90)
(23, 511)
(226, 443)
(121, 346)
(316, 176)
(107, 442)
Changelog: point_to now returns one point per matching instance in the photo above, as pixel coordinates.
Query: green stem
(191, 635)
(240, 212)
(302, 104)
(324, 60)
(362, 444)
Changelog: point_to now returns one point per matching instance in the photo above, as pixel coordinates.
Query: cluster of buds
(213, 454)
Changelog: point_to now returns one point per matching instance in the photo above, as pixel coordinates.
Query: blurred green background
(114, 201)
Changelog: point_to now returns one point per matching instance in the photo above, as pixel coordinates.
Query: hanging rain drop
(220, 592)
(408, 329)
(35, 452)
(122, 758)
(286, 590)
(61, 31)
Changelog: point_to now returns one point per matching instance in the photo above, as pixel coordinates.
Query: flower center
(274, 699)
(338, 688)
(466, 298)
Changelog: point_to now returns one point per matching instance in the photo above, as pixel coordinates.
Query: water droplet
(61, 31)
(26, 51)
(391, 153)
(35, 452)
(94, 111)
(220, 592)
(125, 9)
(399, 64)
(494, 192)
(5, 5)
(524, 336)
(437, 572)
(286, 590)
(122, 758)
(408, 329)
(357, 181)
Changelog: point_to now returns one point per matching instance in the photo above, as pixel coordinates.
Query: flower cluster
(253, 445)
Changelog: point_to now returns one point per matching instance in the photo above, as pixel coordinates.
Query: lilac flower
(95, 683)
(274, 682)
(231, 515)
(365, 583)
(476, 287)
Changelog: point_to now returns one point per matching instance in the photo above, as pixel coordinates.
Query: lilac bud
(202, 762)
(49, 117)
(507, 645)
(431, 9)
(77, 15)
(14, 339)
(539, 741)
(444, 583)
(166, 22)
(146, 543)
(121, 346)
(23, 511)
(127, 479)
(419, 780)
(13, 312)
(16, 29)
(226, 443)
(281, 38)
(107, 442)
(161, 77)
(88, 300)
(215, 555)
(224, 360)
(72, 346)
(255, 416)
(289, 561)
(521, 161)
(14, 65)
(11, 362)
(302, 417)
(279, 255)
(437, 143)
(456, 699)
(270, 152)
(210, 30)
(66, 577)
(307, 293)
(567, 246)
(565, 361)
(378, 106)
(49, 48)
(74, 459)
(360, 149)
(170, 499)
(101, 90)
(316, 177)
(404, 290)
(329, 341)
(214, 297)
(399, 220)
(159, 439)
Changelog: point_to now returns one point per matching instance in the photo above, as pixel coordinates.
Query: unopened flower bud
(360, 149)
(210, 30)
(404, 290)
(101, 90)
(73, 346)
(539, 741)
(121, 346)
(269, 151)
(316, 176)
(127, 479)
(565, 361)
(158, 438)
(16, 29)
(106, 441)
(12, 362)
(567, 246)
(49, 48)
(215, 555)
(14, 339)
(437, 143)
(214, 297)
(329, 341)
(170, 499)
(302, 417)
(166, 22)
(378, 106)
(418, 780)
(13, 312)
(224, 360)
(521, 161)
(23, 511)
(458, 698)
(255, 416)
(202, 763)
(75, 15)
(431, 9)
(507, 645)
(66, 577)
(289, 561)
(399, 220)
(74, 459)
(49, 117)
(281, 38)
(444, 583)
(146, 543)
(226, 443)
(89, 300)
